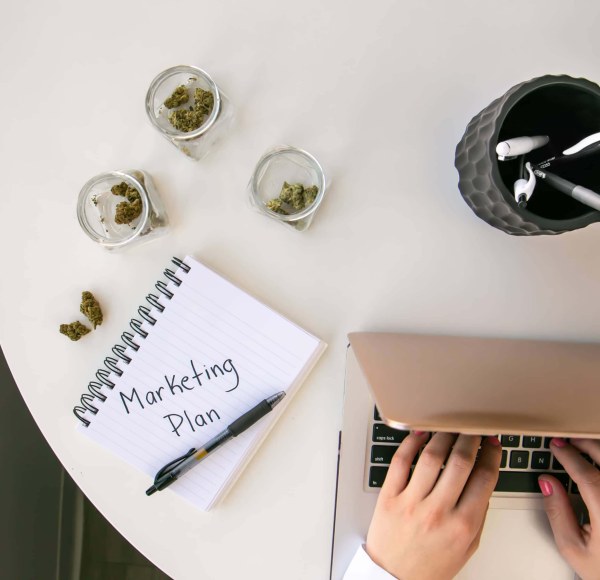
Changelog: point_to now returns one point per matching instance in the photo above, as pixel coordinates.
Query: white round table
(380, 93)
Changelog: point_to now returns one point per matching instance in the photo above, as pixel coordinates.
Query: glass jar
(196, 143)
(286, 164)
(97, 207)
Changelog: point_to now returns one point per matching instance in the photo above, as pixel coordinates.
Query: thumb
(565, 528)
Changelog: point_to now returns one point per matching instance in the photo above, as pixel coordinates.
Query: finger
(478, 490)
(566, 530)
(428, 468)
(583, 473)
(589, 446)
(399, 470)
(457, 471)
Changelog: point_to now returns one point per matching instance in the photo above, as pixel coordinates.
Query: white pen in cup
(512, 148)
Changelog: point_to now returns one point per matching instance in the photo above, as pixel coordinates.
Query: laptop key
(525, 481)
(384, 434)
(547, 442)
(531, 442)
(556, 464)
(504, 457)
(377, 476)
(540, 460)
(376, 415)
(383, 453)
(519, 459)
(510, 440)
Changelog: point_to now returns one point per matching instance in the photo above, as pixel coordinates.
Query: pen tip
(151, 490)
(276, 398)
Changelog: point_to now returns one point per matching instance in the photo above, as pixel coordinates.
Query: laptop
(523, 391)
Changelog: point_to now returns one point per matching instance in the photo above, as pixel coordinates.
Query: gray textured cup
(564, 108)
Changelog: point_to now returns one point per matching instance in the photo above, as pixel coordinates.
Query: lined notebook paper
(212, 353)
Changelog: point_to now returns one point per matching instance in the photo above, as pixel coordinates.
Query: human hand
(579, 545)
(427, 528)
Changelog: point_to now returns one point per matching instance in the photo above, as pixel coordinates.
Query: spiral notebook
(201, 353)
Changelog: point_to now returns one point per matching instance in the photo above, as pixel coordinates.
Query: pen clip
(172, 465)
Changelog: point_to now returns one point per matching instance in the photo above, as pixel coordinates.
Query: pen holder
(564, 108)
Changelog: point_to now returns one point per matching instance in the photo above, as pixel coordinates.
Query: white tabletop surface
(380, 93)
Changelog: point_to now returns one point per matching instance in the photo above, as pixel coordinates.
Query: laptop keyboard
(524, 459)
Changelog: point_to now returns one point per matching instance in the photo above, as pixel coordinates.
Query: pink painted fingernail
(420, 432)
(494, 441)
(545, 486)
(558, 442)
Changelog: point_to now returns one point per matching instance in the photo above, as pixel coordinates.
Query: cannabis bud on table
(293, 197)
(75, 330)
(127, 211)
(90, 307)
(190, 118)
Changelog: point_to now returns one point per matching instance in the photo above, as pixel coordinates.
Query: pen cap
(564, 108)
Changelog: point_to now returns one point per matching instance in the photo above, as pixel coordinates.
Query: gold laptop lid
(482, 385)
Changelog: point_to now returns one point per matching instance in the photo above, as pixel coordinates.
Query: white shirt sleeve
(363, 568)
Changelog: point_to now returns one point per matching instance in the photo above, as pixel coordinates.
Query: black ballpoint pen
(578, 192)
(588, 146)
(176, 468)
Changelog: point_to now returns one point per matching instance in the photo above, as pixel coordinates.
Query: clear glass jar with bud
(119, 209)
(188, 109)
(288, 185)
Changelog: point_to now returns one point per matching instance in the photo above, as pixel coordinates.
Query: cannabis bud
(275, 205)
(125, 190)
(293, 197)
(75, 330)
(120, 189)
(90, 307)
(204, 101)
(180, 96)
(186, 120)
(190, 119)
(127, 211)
(310, 194)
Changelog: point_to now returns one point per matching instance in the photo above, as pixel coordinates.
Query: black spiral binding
(90, 400)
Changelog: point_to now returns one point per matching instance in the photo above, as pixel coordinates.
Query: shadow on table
(49, 529)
